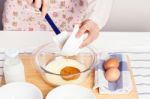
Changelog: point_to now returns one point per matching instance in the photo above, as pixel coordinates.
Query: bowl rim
(91, 66)
(28, 85)
(70, 86)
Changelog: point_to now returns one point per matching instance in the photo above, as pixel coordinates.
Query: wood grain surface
(34, 77)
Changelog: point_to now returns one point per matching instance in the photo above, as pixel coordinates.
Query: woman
(24, 15)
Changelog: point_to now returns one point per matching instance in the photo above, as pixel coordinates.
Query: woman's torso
(65, 14)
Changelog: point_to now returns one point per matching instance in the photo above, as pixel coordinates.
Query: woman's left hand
(90, 27)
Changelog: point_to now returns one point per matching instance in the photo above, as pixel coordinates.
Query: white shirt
(100, 11)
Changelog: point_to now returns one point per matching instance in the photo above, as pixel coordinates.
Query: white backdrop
(127, 15)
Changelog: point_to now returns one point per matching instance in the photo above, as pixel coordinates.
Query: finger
(37, 4)
(44, 7)
(91, 37)
(30, 2)
(86, 42)
(82, 30)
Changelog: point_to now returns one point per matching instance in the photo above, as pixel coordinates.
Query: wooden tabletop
(34, 77)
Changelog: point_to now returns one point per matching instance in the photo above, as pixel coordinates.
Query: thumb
(81, 31)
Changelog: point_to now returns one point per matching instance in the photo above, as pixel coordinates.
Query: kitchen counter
(135, 44)
(34, 77)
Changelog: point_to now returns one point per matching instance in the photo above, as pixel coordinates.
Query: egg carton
(123, 85)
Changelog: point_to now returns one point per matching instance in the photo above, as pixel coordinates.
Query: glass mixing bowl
(58, 69)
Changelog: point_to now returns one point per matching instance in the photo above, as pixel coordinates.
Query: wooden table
(135, 44)
(34, 77)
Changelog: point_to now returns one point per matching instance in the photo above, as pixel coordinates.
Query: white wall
(127, 15)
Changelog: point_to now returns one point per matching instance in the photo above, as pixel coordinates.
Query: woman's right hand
(40, 4)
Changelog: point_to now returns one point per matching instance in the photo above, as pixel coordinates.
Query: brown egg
(112, 74)
(111, 63)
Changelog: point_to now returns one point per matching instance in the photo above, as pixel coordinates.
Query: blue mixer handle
(51, 23)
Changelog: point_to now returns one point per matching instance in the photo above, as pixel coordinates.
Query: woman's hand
(90, 27)
(40, 4)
